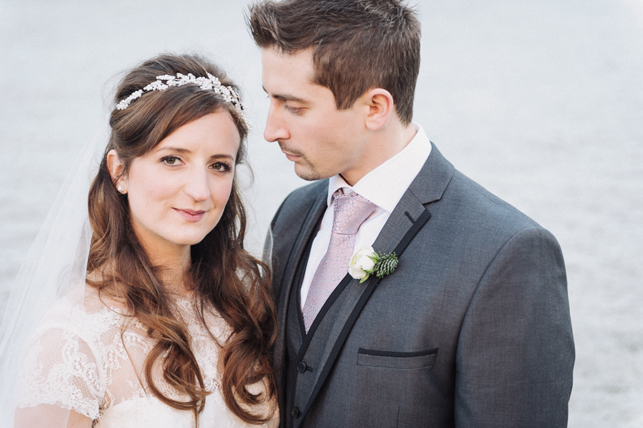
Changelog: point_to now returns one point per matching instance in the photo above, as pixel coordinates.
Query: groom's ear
(380, 108)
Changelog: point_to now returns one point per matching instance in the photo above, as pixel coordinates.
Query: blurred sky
(539, 101)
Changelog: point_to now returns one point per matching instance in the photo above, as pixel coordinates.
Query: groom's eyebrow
(285, 97)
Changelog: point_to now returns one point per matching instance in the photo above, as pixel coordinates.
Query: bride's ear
(116, 169)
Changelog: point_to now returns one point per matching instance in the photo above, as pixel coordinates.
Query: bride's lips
(190, 215)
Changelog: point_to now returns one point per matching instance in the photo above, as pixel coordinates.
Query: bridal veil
(55, 267)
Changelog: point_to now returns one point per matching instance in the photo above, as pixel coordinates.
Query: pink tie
(350, 212)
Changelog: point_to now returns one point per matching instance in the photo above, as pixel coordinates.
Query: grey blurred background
(539, 101)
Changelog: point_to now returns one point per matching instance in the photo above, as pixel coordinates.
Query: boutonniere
(366, 262)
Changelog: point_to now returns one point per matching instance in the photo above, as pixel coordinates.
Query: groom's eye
(294, 110)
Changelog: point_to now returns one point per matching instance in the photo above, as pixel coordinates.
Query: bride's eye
(221, 167)
(170, 160)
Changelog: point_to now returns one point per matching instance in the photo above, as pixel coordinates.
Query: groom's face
(321, 140)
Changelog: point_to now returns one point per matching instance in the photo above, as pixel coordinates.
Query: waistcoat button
(302, 367)
(295, 413)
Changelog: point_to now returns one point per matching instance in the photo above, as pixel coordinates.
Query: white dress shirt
(384, 186)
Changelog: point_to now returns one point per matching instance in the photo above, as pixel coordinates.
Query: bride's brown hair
(223, 274)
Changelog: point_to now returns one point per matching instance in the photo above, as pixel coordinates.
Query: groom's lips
(290, 154)
(291, 157)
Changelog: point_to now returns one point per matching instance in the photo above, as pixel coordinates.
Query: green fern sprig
(385, 265)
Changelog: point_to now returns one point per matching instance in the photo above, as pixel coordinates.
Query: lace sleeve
(61, 369)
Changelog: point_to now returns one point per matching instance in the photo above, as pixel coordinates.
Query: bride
(161, 318)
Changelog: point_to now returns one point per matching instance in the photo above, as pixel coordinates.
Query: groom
(472, 329)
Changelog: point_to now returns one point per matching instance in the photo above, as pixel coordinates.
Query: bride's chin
(193, 240)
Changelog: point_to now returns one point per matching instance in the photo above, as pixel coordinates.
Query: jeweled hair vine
(209, 83)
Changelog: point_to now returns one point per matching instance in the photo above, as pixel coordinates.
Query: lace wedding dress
(89, 358)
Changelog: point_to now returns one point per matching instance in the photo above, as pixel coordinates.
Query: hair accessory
(206, 83)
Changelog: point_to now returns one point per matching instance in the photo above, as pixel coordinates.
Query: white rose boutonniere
(362, 263)
(366, 262)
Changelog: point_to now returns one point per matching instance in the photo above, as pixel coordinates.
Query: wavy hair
(222, 274)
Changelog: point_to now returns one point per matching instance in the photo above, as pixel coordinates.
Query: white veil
(55, 267)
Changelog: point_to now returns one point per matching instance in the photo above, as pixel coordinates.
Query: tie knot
(350, 212)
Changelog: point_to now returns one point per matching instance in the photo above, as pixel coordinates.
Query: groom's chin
(307, 173)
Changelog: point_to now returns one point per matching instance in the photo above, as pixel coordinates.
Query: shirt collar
(386, 184)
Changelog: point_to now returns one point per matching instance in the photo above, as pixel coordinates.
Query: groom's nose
(275, 126)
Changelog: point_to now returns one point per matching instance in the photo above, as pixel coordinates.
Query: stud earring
(120, 188)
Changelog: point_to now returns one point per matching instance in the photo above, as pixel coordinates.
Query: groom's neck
(383, 144)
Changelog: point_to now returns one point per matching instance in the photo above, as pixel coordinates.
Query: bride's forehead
(214, 129)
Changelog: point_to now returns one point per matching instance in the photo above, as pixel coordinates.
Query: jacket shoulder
(297, 204)
(486, 207)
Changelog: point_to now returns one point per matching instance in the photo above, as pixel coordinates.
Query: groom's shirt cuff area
(384, 186)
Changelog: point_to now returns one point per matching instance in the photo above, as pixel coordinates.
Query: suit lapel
(428, 186)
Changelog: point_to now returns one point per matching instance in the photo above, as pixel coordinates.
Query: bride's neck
(173, 268)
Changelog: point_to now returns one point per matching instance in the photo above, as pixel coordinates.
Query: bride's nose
(196, 185)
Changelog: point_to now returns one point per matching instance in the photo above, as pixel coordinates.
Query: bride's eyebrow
(174, 149)
(187, 151)
(222, 156)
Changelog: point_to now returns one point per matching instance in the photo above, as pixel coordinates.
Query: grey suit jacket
(472, 329)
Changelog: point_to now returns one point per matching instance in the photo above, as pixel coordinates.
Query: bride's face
(177, 192)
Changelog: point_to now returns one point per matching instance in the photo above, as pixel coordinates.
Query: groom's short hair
(357, 45)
